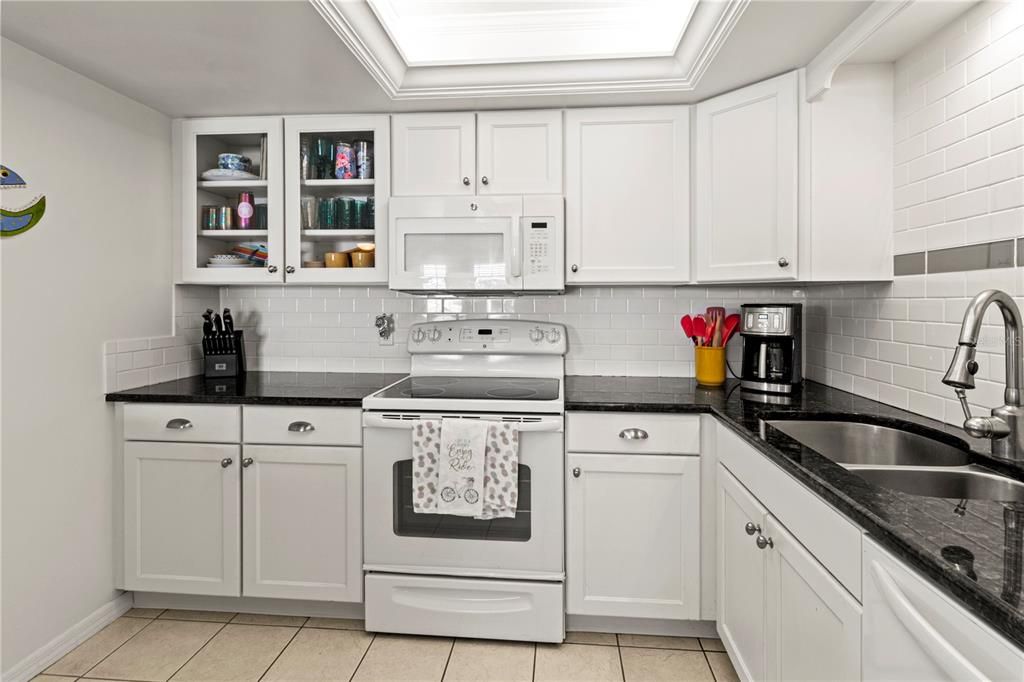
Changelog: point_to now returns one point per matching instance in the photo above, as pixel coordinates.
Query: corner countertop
(913, 527)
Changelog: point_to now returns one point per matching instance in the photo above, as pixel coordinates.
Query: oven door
(398, 540)
(456, 244)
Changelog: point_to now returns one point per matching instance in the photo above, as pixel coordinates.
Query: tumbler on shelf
(344, 161)
(328, 214)
(260, 219)
(208, 219)
(309, 209)
(344, 212)
(304, 160)
(246, 209)
(371, 213)
(364, 159)
(225, 218)
(323, 154)
(358, 216)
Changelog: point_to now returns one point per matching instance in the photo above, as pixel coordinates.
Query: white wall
(95, 268)
(959, 180)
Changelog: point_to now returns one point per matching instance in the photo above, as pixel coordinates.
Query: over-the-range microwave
(477, 245)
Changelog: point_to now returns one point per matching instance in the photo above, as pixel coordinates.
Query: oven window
(410, 524)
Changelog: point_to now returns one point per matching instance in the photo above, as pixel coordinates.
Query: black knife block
(230, 364)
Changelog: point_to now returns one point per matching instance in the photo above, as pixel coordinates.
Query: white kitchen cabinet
(303, 522)
(181, 518)
(742, 576)
(519, 152)
(633, 536)
(914, 632)
(746, 169)
(433, 154)
(198, 142)
(627, 195)
(306, 240)
(781, 615)
(813, 624)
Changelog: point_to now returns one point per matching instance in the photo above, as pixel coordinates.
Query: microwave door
(453, 254)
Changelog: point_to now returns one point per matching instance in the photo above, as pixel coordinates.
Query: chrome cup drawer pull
(633, 434)
(301, 427)
(179, 424)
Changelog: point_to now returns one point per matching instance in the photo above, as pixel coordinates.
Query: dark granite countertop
(330, 389)
(915, 528)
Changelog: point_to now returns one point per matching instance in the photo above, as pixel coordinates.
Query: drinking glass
(309, 221)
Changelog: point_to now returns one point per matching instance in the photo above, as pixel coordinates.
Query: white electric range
(438, 574)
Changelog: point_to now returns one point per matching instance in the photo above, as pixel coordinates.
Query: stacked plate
(229, 260)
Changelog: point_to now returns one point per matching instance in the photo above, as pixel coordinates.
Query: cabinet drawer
(609, 431)
(183, 422)
(303, 425)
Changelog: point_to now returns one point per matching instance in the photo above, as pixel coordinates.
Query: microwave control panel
(540, 251)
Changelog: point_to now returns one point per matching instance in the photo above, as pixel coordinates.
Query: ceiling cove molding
(821, 69)
(358, 27)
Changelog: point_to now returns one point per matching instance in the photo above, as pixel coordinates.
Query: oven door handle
(407, 421)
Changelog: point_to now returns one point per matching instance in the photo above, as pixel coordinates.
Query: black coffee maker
(772, 361)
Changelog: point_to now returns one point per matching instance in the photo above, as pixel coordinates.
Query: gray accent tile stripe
(909, 264)
(973, 257)
(1020, 252)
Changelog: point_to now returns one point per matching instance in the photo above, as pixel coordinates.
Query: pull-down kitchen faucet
(1006, 425)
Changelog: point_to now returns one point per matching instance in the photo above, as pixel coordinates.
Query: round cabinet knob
(575, 268)
(763, 542)
(752, 528)
(472, 207)
(271, 269)
(290, 269)
(783, 262)
(247, 462)
(435, 335)
(576, 472)
(226, 462)
(536, 335)
(465, 181)
(418, 335)
(554, 335)
(485, 180)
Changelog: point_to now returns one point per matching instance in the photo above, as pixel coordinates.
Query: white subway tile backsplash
(948, 133)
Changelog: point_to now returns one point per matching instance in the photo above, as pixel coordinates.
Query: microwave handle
(516, 250)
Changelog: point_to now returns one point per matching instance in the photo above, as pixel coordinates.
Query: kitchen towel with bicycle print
(496, 498)
(461, 471)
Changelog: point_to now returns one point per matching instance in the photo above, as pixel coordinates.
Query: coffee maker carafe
(772, 361)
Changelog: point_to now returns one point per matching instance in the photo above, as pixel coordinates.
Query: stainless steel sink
(847, 442)
(962, 483)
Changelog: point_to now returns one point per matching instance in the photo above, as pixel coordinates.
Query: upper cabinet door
(627, 195)
(746, 219)
(433, 154)
(247, 207)
(519, 152)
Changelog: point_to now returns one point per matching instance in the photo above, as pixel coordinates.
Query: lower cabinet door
(181, 518)
(633, 536)
(742, 576)
(303, 522)
(814, 624)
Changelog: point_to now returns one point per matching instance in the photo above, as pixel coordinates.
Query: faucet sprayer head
(962, 369)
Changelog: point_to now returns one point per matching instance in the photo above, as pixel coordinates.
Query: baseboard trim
(642, 626)
(43, 657)
(274, 607)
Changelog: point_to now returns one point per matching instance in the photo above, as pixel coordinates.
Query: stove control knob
(554, 335)
(418, 335)
(435, 335)
(536, 335)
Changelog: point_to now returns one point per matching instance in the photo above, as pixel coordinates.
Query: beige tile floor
(151, 645)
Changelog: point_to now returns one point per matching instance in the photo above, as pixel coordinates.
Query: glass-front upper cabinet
(232, 207)
(336, 189)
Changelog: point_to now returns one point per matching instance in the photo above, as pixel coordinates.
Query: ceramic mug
(336, 259)
(362, 259)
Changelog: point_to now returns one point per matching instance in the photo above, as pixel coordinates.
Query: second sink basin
(849, 442)
(962, 483)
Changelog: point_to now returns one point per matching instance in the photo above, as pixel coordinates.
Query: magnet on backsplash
(15, 221)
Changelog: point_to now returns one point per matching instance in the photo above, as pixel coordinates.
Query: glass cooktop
(474, 388)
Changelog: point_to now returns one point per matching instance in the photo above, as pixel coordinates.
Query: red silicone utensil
(731, 323)
(700, 329)
(687, 324)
